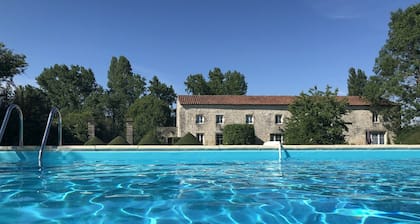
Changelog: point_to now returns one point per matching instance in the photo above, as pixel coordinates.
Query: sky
(282, 47)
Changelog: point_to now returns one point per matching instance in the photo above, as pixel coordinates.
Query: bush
(95, 141)
(239, 134)
(188, 139)
(118, 141)
(409, 135)
(150, 138)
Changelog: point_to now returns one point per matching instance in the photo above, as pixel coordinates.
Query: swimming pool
(313, 186)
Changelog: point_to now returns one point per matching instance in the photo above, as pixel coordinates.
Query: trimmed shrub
(188, 139)
(150, 138)
(239, 134)
(118, 141)
(95, 141)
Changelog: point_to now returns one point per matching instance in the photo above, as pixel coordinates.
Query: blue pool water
(313, 186)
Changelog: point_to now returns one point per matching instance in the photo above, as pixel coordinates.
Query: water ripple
(296, 191)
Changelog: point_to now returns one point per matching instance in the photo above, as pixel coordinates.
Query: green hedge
(188, 139)
(118, 141)
(95, 141)
(238, 134)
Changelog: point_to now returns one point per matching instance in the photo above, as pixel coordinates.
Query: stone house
(205, 116)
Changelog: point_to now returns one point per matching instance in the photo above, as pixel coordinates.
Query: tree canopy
(397, 67)
(67, 87)
(162, 91)
(316, 118)
(11, 64)
(356, 82)
(219, 83)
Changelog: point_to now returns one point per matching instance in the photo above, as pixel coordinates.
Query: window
(219, 139)
(219, 119)
(377, 138)
(276, 137)
(200, 137)
(199, 119)
(279, 119)
(375, 117)
(249, 119)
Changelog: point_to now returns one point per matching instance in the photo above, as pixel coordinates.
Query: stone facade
(362, 125)
(205, 117)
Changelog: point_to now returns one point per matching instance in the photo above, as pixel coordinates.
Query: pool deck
(200, 147)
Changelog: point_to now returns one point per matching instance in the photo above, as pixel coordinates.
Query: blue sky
(282, 47)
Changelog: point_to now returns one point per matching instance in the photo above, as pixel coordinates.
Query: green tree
(197, 85)
(234, 83)
(96, 106)
(35, 107)
(229, 83)
(124, 88)
(72, 89)
(390, 112)
(162, 91)
(11, 64)
(397, 67)
(316, 118)
(67, 88)
(148, 113)
(356, 82)
(75, 124)
(216, 82)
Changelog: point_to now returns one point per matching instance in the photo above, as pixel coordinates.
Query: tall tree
(67, 88)
(216, 82)
(234, 83)
(229, 83)
(124, 88)
(316, 118)
(11, 64)
(148, 112)
(356, 82)
(162, 91)
(397, 67)
(197, 85)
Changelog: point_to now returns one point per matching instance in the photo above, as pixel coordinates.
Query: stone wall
(359, 121)
(264, 120)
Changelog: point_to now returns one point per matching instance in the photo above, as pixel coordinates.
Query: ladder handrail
(6, 120)
(53, 111)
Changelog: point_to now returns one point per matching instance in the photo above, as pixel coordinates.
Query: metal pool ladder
(53, 111)
(6, 120)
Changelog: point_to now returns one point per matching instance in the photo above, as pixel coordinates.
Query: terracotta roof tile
(253, 100)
